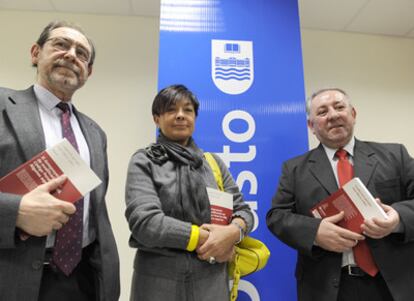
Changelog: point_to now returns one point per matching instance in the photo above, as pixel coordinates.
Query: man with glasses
(40, 234)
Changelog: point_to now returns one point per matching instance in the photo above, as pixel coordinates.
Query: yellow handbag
(251, 254)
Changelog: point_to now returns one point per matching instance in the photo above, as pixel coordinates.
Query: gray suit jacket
(388, 172)
(21, 262)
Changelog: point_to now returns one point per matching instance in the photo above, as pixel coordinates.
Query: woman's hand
(220, 242)
(204, 234)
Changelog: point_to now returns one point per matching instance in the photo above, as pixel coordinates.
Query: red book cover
(49, 164)
(337, 202)
(355, 201)
(221, 206)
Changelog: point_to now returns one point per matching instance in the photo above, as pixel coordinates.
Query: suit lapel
(23, 112)
(321, 169)
(91, 135)
(94, 140)
(365, 162)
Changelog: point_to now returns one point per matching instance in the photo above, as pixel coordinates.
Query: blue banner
(243, 60)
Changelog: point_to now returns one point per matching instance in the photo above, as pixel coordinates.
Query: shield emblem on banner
(232, 65)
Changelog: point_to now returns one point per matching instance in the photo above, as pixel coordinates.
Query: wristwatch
(241, 232)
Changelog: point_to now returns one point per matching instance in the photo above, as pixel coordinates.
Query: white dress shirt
(52, 129)
(348, 256)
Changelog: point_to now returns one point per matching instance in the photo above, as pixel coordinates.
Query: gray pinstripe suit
(21, 262)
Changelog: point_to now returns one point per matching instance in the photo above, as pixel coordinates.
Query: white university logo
(232, 65)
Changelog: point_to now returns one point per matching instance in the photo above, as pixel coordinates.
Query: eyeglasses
(65, 44)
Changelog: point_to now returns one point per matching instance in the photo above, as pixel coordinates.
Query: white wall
(118, 95)
(377, 72)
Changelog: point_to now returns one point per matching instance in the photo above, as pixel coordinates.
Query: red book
(221, 205)
(60, 159)
(355, 200)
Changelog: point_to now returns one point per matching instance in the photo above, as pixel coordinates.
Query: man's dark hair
(44, 36)
(170, 96)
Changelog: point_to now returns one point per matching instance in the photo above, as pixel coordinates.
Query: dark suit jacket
(21, 262)
(388, 172)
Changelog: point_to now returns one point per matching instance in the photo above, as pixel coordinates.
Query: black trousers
(363, 288)
(81, 285)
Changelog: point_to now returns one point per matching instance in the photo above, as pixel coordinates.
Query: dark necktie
(362, 253)
(67, 251)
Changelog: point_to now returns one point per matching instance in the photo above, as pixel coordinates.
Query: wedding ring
(211, 260)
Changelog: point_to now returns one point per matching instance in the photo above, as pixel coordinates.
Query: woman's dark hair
(170, 96)
(45, 34)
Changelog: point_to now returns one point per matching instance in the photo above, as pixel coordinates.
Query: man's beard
(65, 82)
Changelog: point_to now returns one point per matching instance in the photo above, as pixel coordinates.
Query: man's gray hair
(320, 91)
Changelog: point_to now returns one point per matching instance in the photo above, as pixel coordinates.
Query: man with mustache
(327, 268)
(51, 249)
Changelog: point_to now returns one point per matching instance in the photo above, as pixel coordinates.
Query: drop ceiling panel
(387, 17)
(329, 14)
(146, 7)
(109, 7)
(390, 17)
(42, 5)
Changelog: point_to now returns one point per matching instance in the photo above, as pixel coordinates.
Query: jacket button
(335, 282)
(37, 264)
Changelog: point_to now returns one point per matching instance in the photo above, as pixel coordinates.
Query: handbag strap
(216, 170)
(236, 279)
(218, 176)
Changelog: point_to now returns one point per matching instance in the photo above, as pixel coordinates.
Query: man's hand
(40, 212)
(334, 238)
(380, 227)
